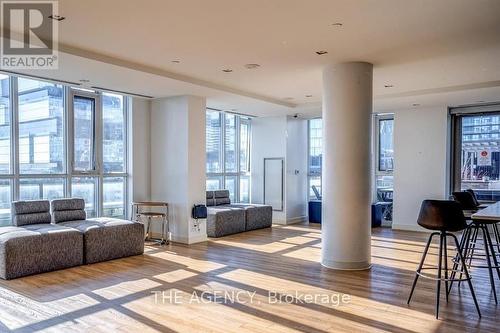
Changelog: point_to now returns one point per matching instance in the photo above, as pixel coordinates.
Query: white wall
(139, 150)
(178, 162)
(420, 162)
(286, 138)
(296, 170)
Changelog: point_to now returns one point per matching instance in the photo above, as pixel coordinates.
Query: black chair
(444, 216)
(474, 254)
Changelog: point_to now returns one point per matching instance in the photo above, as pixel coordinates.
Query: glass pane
(245, 189)
(231, 186)
(84, 115)
(214, 183)
(230, 143)
(114, 197)
(85, 188)
(480, 168)
(245, 146)
(315, 145)
(314, 184)
(4, 125)
(386, 147)
(41, 188)
(113, 115)
(41, 127)
(384, 188)
(5, 201)
(213, 138)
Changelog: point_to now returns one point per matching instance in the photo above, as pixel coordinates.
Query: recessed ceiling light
(84, 80)
(252, 66)
(337, 24)
(57, 17)
(227, 70)
(176, 61)
(321, 52)
(308, 96)
(415, 104)
(388, 86)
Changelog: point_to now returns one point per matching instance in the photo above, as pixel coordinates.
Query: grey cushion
(210, 194)
(38, 248)
(109, 238)
(225, 221)
(222, 201)
(210, 202)
(30, 212)
(68, 210)
(59, 216)
(67, 204)
(221, 194)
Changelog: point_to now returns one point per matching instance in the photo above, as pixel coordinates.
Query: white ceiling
(424, 48)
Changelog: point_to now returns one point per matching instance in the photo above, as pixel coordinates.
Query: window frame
(456, 116)
(239, 119)
(313, 174)
(15, 177)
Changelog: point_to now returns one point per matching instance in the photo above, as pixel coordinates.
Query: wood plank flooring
(225, 285)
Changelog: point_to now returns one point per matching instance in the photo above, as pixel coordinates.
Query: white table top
(492, 212)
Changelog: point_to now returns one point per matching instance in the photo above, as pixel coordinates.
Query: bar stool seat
(445, 217)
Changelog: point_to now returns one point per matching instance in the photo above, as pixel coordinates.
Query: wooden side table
(161, 214)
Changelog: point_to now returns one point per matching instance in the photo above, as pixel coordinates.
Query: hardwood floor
(130, 295)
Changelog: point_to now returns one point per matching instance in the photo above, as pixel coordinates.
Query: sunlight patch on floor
(174, 276)
(271, 247)
(203, 266)
(126, 288)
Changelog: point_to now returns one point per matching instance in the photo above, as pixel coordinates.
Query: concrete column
(347, 108)
(178, 162)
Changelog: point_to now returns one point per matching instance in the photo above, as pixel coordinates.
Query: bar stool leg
(488, 259)
(421, 265)
(497, 236)
(438, 287)
(466, 272)
(163, 241)
(148, 235)
(470, 249)
(493, 254)
(464, 244)
(445, 259)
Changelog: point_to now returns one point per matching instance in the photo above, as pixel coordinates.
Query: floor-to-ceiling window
(384, 155)
(228, 154)
(315, 157)
(476, 146)
(57, 141)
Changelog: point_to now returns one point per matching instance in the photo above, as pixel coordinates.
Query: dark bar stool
(445, 217)
(496, 232)
(474, 254)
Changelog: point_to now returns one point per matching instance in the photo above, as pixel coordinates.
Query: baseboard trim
(293, 220)
(184, 240)
(408, 227)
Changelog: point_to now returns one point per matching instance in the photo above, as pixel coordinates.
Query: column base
(346, 266)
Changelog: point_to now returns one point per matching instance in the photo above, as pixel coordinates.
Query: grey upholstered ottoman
(222, 221)
(256, 216)
(109, 238)
(104, 238)
(34, 245)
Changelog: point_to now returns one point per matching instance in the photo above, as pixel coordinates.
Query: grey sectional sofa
(225, 218)
(47, 237)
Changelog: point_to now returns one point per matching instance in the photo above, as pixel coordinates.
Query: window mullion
(14, 137)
